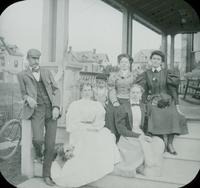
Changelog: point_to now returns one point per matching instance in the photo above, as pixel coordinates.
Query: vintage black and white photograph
(100, 93)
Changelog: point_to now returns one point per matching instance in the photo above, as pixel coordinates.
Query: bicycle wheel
(10, 138)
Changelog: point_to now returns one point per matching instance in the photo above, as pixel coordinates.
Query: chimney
(94, 51)
(70, 49)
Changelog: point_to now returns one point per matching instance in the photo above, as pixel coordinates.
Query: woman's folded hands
(93, 128)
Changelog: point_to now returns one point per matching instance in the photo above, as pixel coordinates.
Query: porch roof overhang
(162, 16)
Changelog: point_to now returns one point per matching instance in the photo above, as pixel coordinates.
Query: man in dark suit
(124, 115)
(140, 152)
(41, 97)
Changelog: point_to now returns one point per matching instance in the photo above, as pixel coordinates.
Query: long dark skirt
(110, 117)
(166, 121)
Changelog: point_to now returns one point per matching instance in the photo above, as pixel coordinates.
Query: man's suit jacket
(28, 87)
(124, 120)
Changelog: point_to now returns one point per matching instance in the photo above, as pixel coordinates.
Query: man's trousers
(42, 118)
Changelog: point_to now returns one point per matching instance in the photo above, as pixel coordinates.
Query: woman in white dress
(95, 150)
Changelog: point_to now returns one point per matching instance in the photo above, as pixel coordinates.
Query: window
(15, 63)
(2, 61)
(196, 51)
(1, 76)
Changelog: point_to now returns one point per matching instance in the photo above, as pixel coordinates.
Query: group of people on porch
(123, 126)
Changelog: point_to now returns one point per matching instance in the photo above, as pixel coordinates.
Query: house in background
(11, 62)
(90, 60)
(141, 60)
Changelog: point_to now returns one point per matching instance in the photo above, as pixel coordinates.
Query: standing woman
(161, 95)
(119, 84)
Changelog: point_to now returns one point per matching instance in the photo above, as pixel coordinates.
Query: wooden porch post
(49, 31)
(55, 30)
(172, 52)
(62, 26)
(127, 32)
(164, 47)
(189, 62)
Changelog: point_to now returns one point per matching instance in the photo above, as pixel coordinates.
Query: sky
(92, 25)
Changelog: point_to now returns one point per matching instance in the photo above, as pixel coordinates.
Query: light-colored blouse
(119, 85)
(83, 114)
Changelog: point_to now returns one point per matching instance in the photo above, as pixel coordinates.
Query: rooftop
(10, 48)
(90, 56)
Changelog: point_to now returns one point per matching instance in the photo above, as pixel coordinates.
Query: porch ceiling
(162, 16)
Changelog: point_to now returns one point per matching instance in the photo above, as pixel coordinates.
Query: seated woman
(139, 152)
(161, 96)
(95, 151)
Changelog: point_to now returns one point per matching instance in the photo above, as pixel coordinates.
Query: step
(174, 175)
(171, 177)
(192, 117)
(189, 145)
(186, 146)
(112, 181)
(191, 111)
(172, 171)
(34, 182)
(193, 129)
(38, 182)
(179, 169)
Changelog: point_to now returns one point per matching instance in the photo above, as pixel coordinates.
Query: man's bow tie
(35, 69)
(155, 71)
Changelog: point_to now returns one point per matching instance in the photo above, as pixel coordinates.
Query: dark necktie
(155, 71)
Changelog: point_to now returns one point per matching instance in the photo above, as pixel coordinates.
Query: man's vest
(42, 95)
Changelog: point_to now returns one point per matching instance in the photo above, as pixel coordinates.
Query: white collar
(158, 69)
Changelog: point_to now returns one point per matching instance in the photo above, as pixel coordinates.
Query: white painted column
(62, 29)
(127, 32)
(27, 168)
(172, 52)
(55, 30)
(48, 31)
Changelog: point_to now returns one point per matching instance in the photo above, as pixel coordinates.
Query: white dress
(95, 151)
